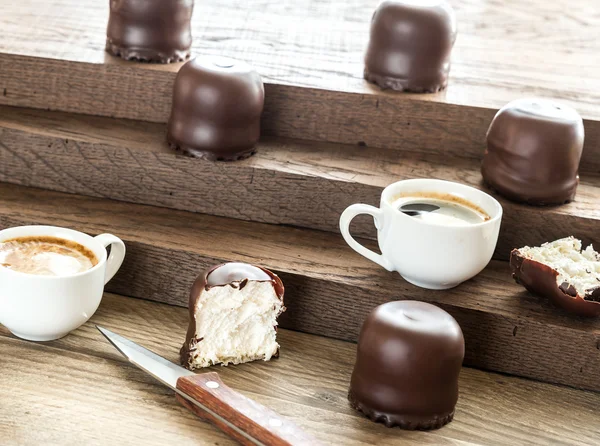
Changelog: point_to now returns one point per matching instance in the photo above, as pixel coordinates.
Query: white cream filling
(576, 267)
(236, 326)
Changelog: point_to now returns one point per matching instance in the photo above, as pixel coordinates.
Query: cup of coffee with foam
(52, 279)
(435, 233)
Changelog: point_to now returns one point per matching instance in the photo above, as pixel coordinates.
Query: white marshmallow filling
(235, 323)
(579, 268)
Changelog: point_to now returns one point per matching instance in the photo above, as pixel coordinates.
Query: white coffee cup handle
(117, 254)
(345, 220)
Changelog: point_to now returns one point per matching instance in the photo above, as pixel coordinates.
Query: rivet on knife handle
(260, 423)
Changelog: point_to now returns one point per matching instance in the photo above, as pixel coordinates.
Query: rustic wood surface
(329, 288)
(52, 57)
(504, 49)
(291, 182)
(80, 390)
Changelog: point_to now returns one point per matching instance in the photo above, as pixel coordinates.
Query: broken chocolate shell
(234, 277)
(540, 279)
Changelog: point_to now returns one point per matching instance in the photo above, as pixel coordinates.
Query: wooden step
(81, 380)
(330, 289)
(311, 58)
(290, 182)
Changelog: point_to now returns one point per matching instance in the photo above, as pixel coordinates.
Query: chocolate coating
(408, 360)
(236, 276)
(217, 103)
(540, 279)
(533, 152)
(150, 30)
(235, 272)
(410, 45)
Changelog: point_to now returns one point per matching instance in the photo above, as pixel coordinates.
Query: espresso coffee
(46, 256)
(441, 209)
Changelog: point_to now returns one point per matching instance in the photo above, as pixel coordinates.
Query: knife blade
(208, 397)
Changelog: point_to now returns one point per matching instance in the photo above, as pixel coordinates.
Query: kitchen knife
(206, 396)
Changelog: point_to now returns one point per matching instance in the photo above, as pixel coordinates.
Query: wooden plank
(330, 289)
(59, 63)
(504, 50)
(79, 390)
(385, 120)
(290, 182)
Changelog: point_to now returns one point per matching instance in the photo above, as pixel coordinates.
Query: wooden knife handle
(257, 421)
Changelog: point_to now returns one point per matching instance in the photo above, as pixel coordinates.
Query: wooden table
(80, 390)
(332, 139)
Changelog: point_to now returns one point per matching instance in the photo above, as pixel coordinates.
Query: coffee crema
(440, 208)
(46, 256)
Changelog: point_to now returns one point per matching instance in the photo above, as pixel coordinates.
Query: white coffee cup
(426, 254)
(44, 308)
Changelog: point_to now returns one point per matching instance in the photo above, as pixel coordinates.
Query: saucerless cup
(428, 255)
(43, 308)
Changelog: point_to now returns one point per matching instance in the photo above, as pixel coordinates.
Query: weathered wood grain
(504, 51)
(306, 184)
(79, 390)
(329, 289)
